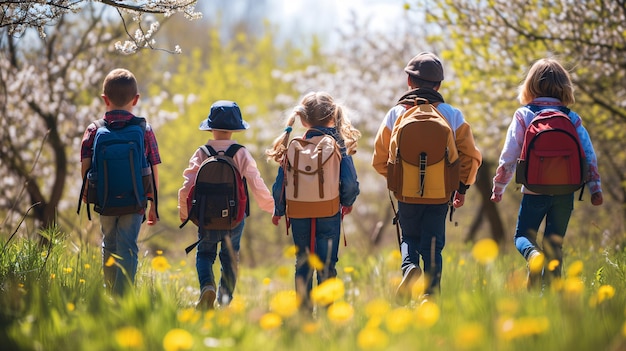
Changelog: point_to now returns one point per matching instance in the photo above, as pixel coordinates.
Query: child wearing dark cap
(224, 120)
(423, 224)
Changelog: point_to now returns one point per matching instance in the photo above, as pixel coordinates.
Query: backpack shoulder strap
(100, 123)
(208, 150)
(139, 121)
(536, 108)
(232, 150)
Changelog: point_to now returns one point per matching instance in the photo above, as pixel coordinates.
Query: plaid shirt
(117, 116)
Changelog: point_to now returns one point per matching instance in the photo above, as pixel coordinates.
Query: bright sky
(325, 16)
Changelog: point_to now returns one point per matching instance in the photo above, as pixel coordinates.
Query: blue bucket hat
(224, 115)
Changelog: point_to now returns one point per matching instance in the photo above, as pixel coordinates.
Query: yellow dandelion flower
(348, 270)
(290, 251)
(377, 307)
(283, 272)
(237, 305)
(398, 320)
(485, 251)
(428, 313)
(310, 327)
(67, 270)
(182, 263)
(340, 312)
(285, 303)
(110, 261)
(267, 281)
(536, 263)
(532, 325)
(372, 339)
(87, 266)
(160, 264)
(605, 292)
(223, 319)
(469, 336)
(52, 275)
(81, 281)
(159, 252)
(573, 286)
(461, 262)
(177, 339)
(315, 262)
(395, 258)
(270, 321)
(70, 307)
(189, 315)
(575, 269)
(129, 337)
(553, 265)
(329, 291)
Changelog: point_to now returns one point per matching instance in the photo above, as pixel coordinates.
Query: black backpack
(218, 200)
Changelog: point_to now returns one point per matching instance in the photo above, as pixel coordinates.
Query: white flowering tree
(49, 92)
(18, 16)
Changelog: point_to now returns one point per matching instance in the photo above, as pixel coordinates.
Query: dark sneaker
(405, 289)
(207, 298)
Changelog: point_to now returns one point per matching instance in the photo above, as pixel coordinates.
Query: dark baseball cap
(426, 66)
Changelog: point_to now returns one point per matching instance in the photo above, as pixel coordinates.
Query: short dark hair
(120, 86)
(421, 83)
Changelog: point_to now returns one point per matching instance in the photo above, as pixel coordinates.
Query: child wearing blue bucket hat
(224, 119)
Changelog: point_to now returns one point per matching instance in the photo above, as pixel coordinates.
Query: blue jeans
(229, 259)
(327, 235)
(120, 238)
(423, 235)
(556, 209)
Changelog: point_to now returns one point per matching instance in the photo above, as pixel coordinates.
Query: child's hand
(152, 217)
(345, 210)
(459, 200)
(596, 198)
(496, 194)
(496, 197)
(276, 219)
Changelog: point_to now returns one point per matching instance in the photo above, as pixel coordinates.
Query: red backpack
(552, 161)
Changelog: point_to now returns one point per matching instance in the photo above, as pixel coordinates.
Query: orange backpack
(312, 177)
(423, 164)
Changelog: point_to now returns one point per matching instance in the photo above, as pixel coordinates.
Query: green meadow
(52, 298)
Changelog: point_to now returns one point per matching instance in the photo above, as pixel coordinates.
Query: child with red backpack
(545, 94)
(224, 119)
(316, 185)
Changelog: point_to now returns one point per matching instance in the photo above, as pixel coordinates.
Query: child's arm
(152, 213)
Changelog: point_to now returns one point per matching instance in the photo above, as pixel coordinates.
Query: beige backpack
(312, 177)
(423, 165)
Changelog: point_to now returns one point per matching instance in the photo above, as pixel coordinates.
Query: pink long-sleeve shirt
(247, 167)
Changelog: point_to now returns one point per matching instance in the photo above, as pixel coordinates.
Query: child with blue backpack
(315, 233)
(121, 220)
(547, 87)
(224, 119)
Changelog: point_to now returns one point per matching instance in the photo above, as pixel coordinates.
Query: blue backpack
(120, 179)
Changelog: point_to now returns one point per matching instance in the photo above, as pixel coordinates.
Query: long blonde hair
(316, 109)
(547, 78)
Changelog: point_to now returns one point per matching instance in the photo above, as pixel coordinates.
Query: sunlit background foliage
(50, 90)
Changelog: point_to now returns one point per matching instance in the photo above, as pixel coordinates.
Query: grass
(52, 298)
